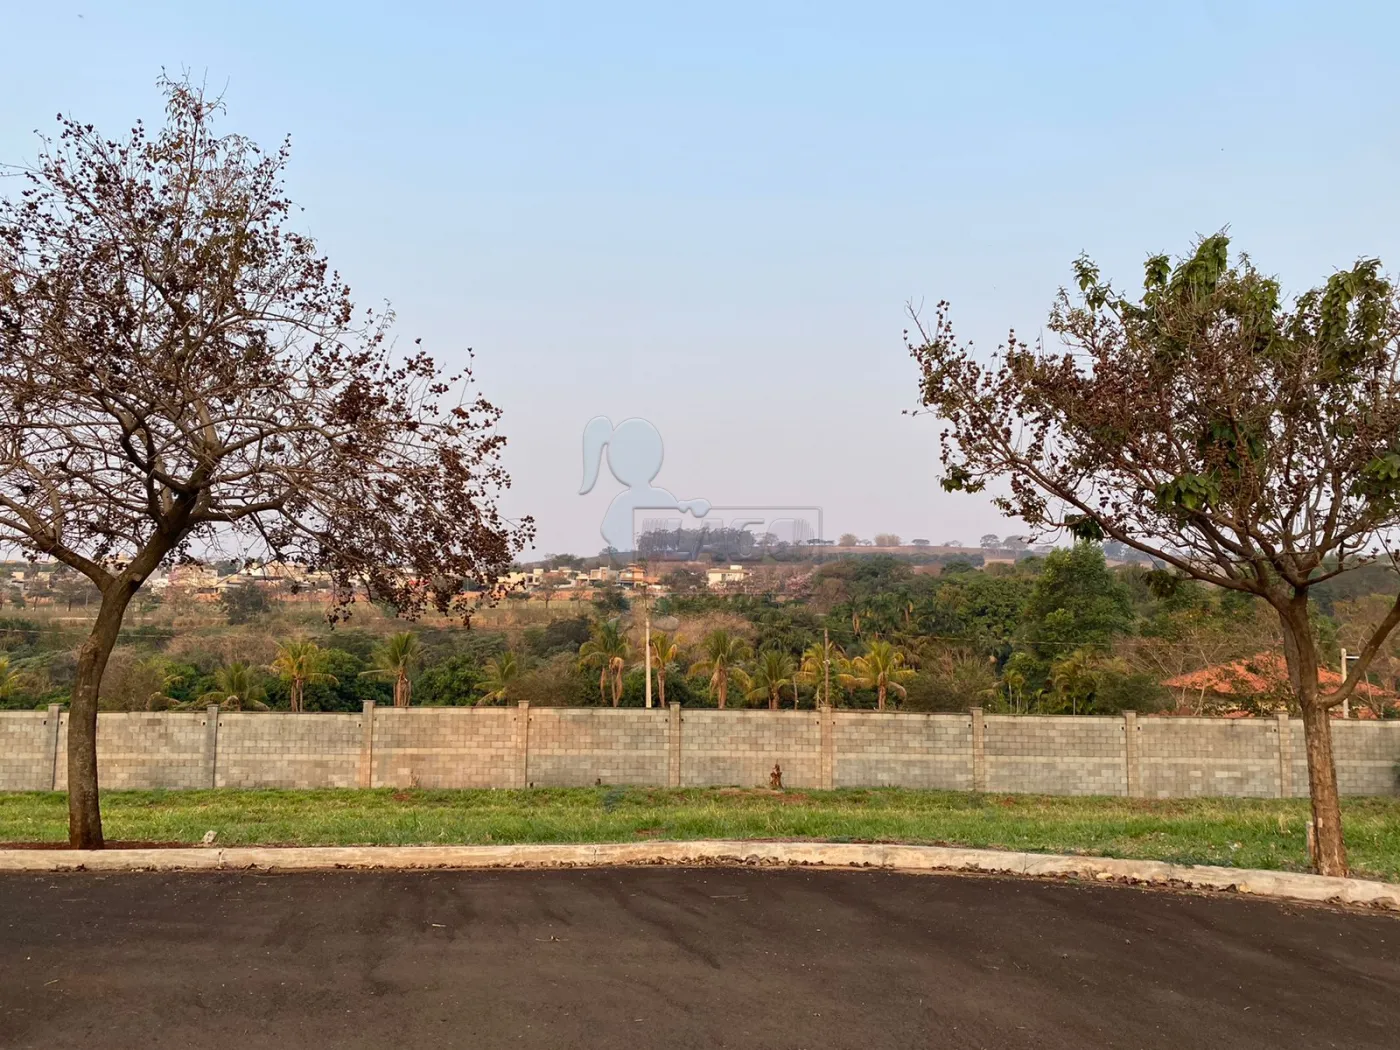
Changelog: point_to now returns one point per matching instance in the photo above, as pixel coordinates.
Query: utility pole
(826, 663)
(1346, 704)
(647, 643)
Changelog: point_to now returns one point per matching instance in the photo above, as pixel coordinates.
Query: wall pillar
(1285, 756)
(673, 748)
(364, 775)
(979, 750)
(211, 744)
(827, 720)
(1132, 775)
(522, 745)
(53, 722)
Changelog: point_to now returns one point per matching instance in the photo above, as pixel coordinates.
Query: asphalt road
(679, 958)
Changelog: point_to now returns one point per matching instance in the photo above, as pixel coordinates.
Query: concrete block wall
(277, 750)
(572, 747)
(1185, 757)
(519, 746)
(1367, 756)
(1056, 755)
(27, 749)
(441, 747)
(899, 750)
(160, 749)
(741, 747)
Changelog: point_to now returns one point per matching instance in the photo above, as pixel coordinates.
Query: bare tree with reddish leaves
(180, 371)
(1236, 439)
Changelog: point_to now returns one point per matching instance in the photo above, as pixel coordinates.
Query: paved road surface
(677, 959)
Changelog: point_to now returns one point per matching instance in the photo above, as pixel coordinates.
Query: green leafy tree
(881, 669)
(723, 654)
(772, 673)
(300, 662)
(244, 603)
(453, 682)
(606, 652)
(396, 661)
(1227, 435)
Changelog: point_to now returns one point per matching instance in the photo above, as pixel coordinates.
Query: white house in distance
(720, 579)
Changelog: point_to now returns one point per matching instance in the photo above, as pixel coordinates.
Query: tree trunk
(84, 813)
(722, 691)
(661, 685)
(1330, 847)
(880, 693)
(772, 699)
(1300, 652)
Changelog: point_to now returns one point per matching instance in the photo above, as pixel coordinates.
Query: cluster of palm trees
(301, 662)
(725, 659)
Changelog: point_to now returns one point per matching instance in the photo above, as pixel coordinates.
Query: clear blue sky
(713, 217)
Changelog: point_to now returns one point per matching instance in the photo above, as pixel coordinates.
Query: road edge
(930, 859)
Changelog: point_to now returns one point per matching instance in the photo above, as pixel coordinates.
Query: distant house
(726, 579)
(636, 578)
(1260, 683)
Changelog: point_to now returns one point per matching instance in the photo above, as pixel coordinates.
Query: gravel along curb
(1276, 884)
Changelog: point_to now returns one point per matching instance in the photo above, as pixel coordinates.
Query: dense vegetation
(1061, 633)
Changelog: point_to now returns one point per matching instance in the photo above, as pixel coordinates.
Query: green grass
(1252, 833)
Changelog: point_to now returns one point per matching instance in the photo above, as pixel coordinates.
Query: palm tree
(1073, 678)
(395, 661)
(235, 687)
(724, 653)
(10, 679)
(299, 663)
(501, 671)
(816, 659)
(665, 651)
(607, 651)
(771, 675)
(881, 668)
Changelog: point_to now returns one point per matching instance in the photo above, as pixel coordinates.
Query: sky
(716, 216)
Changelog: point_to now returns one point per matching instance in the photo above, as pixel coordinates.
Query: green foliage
(1075, 602)
(558, 636)
(453, 682)
(244, 603)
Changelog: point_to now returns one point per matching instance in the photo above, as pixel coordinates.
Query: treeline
(1062, 633)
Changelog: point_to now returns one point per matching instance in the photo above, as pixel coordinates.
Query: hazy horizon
(714, 220)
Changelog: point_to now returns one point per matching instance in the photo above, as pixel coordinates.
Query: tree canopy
(1237, 438)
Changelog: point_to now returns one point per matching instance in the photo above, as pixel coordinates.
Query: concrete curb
(1274, 884)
